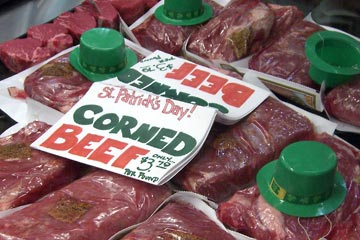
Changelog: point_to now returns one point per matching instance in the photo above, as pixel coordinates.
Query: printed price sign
(169, 76)
(130, 132)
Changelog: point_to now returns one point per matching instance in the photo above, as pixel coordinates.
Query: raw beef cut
(76, 23)
(286, 58)
(349, 166)
(22, 53)
(178, 220)
(248, 212)
(238, 30)
(103, 11)
(231, 159)
(54, 37)
(155, 35)
(343, 102)
(95, 206)
(57, 84)
(347, 230)
(285, 17)
(149, 4)
(27, 174)
(129, 11)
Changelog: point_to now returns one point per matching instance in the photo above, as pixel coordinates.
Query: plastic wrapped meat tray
(27, 174)
(247, 211)
(343, 102)
(232, 156)
(178, 220)
(57, 84)
(238, 30)
(95, 206)
(285, 57)
(155, 35)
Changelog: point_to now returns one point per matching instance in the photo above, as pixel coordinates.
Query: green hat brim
(207, 14)
(263, 179)
(131, 59)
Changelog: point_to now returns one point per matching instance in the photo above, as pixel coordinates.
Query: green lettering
(180, 145)
(106, 121)
(125, 124)
(158, 140)
(79, 114)
(157, 88)
(128, 76)
(144, 133)
(142, 82)
(219, 107)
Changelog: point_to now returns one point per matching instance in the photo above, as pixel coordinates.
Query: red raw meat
(20, 54)
(150, 3)
(286, 58)
(95, 206)
(285, 17)
(347, 230)
(76, 23)
(57, 84)
(343, 102)
(129, 11)
(178, 220)
(155, 35)
(103, 11)
(27, 174)
(54, 37)
(247, 211)
(231, 159)
(240, 29)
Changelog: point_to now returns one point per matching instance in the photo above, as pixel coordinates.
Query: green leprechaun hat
(303, 182)
(102, 54)
(183, 12)
(334, 57)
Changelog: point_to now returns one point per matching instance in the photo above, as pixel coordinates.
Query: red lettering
(216, 83)
(63, 138)
(236, 94)
(199, 77)
(129, 154)
(100, 154)
(181, 72)
(80, 148)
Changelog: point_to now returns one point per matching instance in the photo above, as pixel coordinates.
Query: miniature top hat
(303, 182)
(334, 57)
(102, 54)
(183, 12)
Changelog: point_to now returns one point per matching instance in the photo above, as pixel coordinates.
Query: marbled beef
(155, 35)
(247, 211)
(57, 84)
(103, 11)
(343, 102)
(22, 53)
(178, 220)
(286, 58)
(285, 17)
(27, 174)
(76, 23)
(232, 156)
(240, 29)
(129, 11)
(53, 36)
(95, 206)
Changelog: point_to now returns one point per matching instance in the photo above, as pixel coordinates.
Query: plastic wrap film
(95, 206)
(27, 174)
(247, 211)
